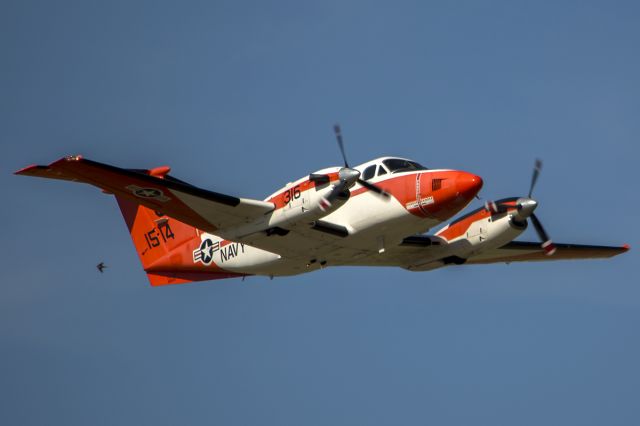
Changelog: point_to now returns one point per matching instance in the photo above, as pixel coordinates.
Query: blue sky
(240, 97)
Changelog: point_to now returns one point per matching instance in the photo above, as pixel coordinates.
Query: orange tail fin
(154, 235)
(165, 246)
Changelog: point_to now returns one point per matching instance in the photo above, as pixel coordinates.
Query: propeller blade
(338, 132)
(491, 206)
(536, 172)
(373, 188)
(494, 208)
(547, 245)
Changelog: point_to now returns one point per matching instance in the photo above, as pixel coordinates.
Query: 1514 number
(163, 230)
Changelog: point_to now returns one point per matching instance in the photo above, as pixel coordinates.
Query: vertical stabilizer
(165, 247)
(154, 235)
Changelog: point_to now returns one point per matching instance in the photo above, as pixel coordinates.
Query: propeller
(347, 178)
(524, 209)
(370, 186)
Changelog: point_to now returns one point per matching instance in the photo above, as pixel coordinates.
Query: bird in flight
(101, 266)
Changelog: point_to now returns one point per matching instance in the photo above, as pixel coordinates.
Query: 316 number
(292, 194)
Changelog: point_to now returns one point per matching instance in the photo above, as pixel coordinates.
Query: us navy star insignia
(149, 193)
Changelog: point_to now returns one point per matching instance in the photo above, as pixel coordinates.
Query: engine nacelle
(470, 235)
(311, 205)
(479, 232)
(296, 203)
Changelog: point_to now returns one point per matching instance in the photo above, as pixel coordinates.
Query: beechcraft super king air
(374, 214)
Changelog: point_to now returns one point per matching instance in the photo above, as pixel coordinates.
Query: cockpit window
(381, 170)
(369, 172)
(396, 165)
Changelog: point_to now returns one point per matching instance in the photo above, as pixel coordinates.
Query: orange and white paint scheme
(374, 214)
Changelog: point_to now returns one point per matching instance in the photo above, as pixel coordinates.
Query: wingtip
(22, 170)
(29, 170)
(26, 170)
(626, 247)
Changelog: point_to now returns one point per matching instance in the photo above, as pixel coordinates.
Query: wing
(425, 253)
(206, 210)
(520, 251)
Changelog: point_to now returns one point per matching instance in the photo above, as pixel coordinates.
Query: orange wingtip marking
(27, 169)
(627, 247)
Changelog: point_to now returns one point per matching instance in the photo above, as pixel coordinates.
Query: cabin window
(397, 165)
(369, 172)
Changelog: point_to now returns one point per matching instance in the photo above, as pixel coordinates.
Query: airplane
(101, 267)
(373, 214)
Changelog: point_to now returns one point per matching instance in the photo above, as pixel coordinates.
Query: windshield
(396, 165)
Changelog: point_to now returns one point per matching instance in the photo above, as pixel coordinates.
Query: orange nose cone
(468, 184)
